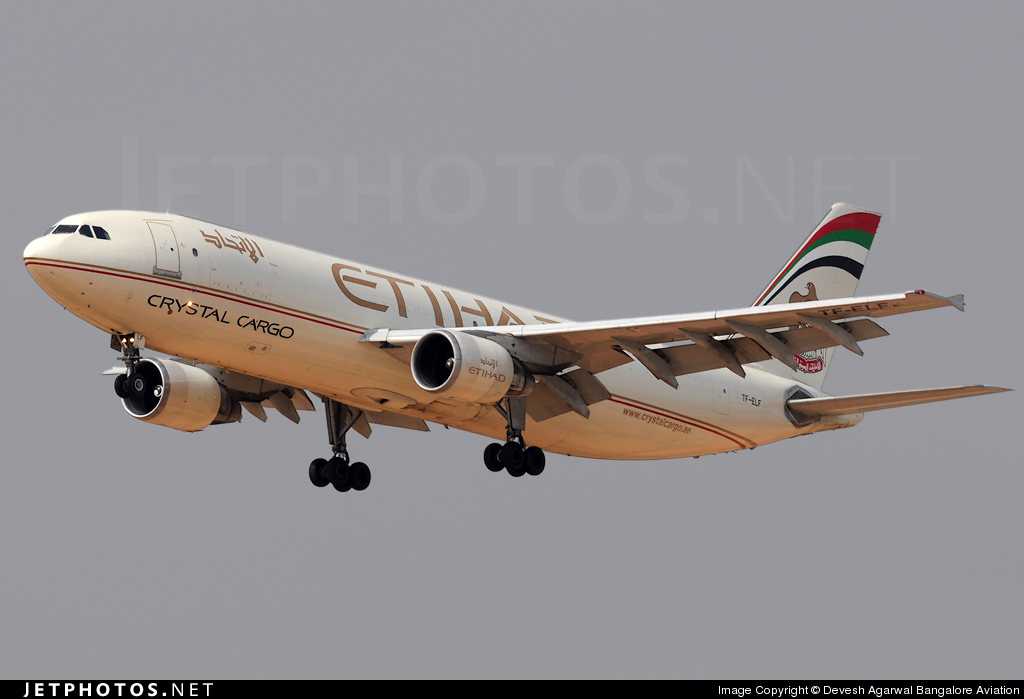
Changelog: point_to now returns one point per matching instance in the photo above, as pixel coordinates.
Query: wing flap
(598, 358)
(846, 405)
(571, 391)
(692, 358)
(544, 403)
(397, 420)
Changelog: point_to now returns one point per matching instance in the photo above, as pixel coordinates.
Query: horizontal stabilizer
(846, 405)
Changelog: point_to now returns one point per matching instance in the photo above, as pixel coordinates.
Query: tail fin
(827, 266)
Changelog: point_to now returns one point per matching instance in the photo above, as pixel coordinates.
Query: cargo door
(168, 259)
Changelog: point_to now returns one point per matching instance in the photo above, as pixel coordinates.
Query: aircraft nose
(40, 253)
(37, 248)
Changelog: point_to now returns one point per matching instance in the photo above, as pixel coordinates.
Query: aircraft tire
(316, 473)
(120, 386)
(359, 476)
(511, 453)
(136, 384)
(491, 460)
(534, 461)
(512, 456)
(337, 472)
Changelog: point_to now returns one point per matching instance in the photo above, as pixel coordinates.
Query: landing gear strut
(129, 383)
(337, 470)
(514, 456)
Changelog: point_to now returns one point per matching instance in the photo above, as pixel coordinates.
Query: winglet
(956, 301)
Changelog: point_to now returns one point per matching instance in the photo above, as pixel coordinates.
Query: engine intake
(177, 395)
(466, 367)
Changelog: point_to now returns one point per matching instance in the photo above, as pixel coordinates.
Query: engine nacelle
(466, 367)
(178, 395)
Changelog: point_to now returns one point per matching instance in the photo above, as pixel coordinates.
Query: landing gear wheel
(136, 383)
(359, 476)
(316, 473)
(491, 457)
(120, 386)
(512, 456)
(534, 461)
(337, 470)
(337, 473)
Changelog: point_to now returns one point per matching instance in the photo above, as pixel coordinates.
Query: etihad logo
(420, 299)
(234, 242)
(491, 373)
(487, 374)
(810, 362)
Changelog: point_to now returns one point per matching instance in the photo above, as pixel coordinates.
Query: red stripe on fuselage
(679, 418)
(192, 288)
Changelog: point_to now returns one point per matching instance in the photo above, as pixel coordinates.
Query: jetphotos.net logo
(460, 189)
(162, 688)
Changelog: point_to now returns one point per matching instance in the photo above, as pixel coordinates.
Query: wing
(671, 346)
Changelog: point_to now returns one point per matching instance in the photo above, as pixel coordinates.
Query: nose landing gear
(131, 383)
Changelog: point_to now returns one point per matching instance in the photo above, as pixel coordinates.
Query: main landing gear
(337, 470)
(514, 456)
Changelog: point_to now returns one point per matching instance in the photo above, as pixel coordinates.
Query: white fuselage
(266, 309)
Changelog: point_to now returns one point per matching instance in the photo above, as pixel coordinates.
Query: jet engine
(176, 395)
(468, 368)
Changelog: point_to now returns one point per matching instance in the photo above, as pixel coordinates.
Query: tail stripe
(827, 265)
(857, 228)
(845, 263)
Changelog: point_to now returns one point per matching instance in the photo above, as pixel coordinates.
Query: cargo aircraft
(252, 324)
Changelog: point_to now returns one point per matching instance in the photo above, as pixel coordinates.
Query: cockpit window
(86, 230)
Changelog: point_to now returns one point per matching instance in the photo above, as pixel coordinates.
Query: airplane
(251, 323)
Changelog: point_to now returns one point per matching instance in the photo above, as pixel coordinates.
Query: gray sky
(888, 550)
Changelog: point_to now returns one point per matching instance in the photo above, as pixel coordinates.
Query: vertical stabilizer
(827, 266)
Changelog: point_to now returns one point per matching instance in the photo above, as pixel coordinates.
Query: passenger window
(100, 233)
(65, 229)
(86, 231)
